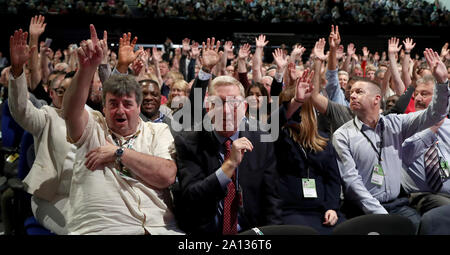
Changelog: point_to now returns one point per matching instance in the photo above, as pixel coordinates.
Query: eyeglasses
(232, 103)
(60, 91)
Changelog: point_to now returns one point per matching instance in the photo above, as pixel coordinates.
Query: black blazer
(293, 166)
(197, 199)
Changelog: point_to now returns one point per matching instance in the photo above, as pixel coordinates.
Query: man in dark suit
(225, 190)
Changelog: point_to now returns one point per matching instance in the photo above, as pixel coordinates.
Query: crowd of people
(204, 140)
(109, 8)
(384, 12)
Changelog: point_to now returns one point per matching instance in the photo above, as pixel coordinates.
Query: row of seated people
(219, 162)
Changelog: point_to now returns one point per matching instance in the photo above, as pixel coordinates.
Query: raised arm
(303, 90)
(444, 52)
(393, 49)
(334, 40)
(281, 60)
(195, 52)
(406, 77)
(45, 71)
(319, 101)
(257, 58)
(22, 110)
(104, 69)
(37, 27)
(243, 54)
(227, 48)
(156, 58)
(350, 52)
(90, 56)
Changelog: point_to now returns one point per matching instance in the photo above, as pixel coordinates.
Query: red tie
(230, 202)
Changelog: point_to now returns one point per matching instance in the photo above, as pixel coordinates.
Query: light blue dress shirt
(357, 158)
(333, 88)
(414, 149)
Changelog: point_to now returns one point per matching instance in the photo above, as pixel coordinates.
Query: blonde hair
(180, 84)
(224, 81)
(306, 133)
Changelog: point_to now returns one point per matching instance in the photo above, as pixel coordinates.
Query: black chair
(436, 221)
(281, 230)
(376, 224)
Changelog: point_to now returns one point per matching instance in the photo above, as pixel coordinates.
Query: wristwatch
(119, 153)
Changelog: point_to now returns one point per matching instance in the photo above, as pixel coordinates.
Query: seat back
(26, 155)
(11, 131)
(376, 224)
(281, 230)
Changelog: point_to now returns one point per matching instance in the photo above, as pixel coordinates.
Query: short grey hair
(425, 79)
(224, 81)
(120, 85)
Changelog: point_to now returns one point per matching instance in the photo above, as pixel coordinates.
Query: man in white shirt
(123, 166)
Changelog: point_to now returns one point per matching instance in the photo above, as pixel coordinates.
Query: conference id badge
(309, 188)
(377, 175)
(445, 169)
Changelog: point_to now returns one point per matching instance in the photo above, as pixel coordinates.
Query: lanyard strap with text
(373, 146)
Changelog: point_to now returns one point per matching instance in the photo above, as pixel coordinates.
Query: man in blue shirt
(369, 146)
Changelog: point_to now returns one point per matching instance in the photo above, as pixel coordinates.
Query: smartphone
(48, 41)
(73, 46)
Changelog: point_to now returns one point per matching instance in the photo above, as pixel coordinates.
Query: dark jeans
(399, 206)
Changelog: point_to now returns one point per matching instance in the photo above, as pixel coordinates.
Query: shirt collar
(362, 126)
(138, 130)
(222, 139)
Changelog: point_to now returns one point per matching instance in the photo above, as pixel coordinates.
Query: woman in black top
(306, 160)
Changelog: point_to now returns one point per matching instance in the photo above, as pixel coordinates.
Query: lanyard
(127, 144)
(306, 160)
(373, 146)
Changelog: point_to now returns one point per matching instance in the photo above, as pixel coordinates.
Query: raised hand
(393, 46)
(366, 53)
(340, 52)
(436, 65)
(319, 49)
(186, 45)
(244, 51)
(304, 86)
(335, 38)
(210, 54)
(137, 66)
(37, 25)
(126, 50)
(351, 50)
(195, 52)
(292, 72)
(409, 45)
(297, 51)
(156, 55)
(19, 51)
(261, 41)
(444, 51)
(90, 53)
(280, 58)
(104, 47)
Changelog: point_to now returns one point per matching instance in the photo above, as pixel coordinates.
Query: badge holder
(377, 175)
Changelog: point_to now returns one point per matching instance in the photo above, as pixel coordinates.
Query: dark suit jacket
(199, 194)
